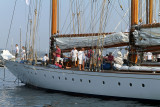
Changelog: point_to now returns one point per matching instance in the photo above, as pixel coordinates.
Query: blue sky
(66, 25)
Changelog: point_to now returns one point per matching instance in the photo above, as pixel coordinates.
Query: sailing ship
(133, 81)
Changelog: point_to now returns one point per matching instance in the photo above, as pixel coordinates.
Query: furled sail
(147, 36)
(92, 41)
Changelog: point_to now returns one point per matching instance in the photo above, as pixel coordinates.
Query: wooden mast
(134, 21)
(146, 11)
(150, 11)
(53, 30)
(134, 12)
(54, 17)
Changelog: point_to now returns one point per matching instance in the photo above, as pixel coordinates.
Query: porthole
(45, 75)
(143, 85)
(89, 81)
(130, 84)
(119, 83)
(65, 78)
(53, 77)
(103, 82)
(59, 78)
(72, 79)
(80, 80)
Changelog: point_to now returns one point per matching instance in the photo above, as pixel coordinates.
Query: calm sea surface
(15, 94)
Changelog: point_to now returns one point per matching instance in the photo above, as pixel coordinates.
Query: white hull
(129, 85)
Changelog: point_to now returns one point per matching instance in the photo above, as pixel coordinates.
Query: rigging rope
(11, 22)
(73, 19)
(67, 17)
(38, 21)
(29, 13)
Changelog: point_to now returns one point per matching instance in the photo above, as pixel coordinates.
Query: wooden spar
(87, 48)
(154, 25)
(53, 30)
(150, 11)
(134, 21)
(146, 11)
(85, 34)
(54, 17)
(151, 49)
(134, 12)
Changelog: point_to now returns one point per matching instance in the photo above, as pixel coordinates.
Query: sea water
(15, 94)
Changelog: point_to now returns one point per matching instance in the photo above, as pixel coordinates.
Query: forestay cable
(11, 22)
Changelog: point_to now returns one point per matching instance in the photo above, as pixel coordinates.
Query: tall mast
(146, 11)
(134, 12)
(20, 41)
(54, 17)
(134, 21)
(150, 11)
(53, 29)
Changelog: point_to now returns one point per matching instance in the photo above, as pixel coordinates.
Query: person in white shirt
(23, 53)
(74, 54)
(80, 58)
(45, 59)
(16, 51)
(149, 57)
(158, 57)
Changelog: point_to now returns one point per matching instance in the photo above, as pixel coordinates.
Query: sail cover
(147, 36)
(105, 40)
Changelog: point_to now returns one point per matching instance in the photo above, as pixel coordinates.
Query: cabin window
(65, 78)
(53, 77)
(89, 81)
(143, 85)
(119, 83)
(130, 84)
(59, 78)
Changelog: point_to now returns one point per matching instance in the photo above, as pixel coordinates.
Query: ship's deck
(152, 64)
(117, 71)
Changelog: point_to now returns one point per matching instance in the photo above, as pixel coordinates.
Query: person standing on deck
(158, 57)
(58, 54)
(16, 51)
(45, 60)
(83, 58)
(80, 58)
(149, 57)
(90, 56)
(23, 53)
(110, 58)
(74, 54)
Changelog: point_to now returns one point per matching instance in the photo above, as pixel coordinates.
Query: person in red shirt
(110, 58)
(58, 54)
(90, 56)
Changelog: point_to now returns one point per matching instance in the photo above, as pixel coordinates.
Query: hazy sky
(20, 21)
(21, 17)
